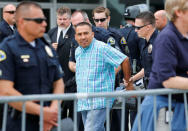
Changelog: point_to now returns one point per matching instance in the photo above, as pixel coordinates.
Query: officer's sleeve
(59, 73)
(113, 56)
(7, 69)
(74, 45)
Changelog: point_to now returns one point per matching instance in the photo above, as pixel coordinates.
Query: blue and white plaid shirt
(95, 72)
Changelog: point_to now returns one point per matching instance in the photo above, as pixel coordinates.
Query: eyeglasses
(37, 20)
(139, 27)
(10, 12)
(101, 20)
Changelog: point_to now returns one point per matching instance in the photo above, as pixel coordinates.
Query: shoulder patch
(2, 55)
(123, 41)
(111, 41)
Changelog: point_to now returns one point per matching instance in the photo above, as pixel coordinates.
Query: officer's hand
(50, 115)
(131, 79)
(54, 45)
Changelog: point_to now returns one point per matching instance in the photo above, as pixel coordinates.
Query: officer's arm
(58, 88)
(72, 66)
(138, 76)
(176, 82)
(7, 89)
(125, 65)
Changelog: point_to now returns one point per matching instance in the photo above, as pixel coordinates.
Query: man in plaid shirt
(95, 72)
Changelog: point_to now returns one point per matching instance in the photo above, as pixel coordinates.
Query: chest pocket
(26, 61)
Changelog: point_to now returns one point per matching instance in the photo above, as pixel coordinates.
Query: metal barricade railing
(76, 96)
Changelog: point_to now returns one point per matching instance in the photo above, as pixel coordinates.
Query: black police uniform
(63, 51)
(5, 30)
(147, 56)
(33, 71)
(135, 45)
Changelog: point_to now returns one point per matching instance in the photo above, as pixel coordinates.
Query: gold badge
(25, 58)
(111, 41)
(49, 51)
(123, 41)
(150, 48)
(2, 55)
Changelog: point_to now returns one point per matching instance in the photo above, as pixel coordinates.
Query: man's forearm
(125, 65)
(176, 82)
(58, 87)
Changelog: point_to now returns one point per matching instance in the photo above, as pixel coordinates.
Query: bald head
(161, 19)
(9, 13)
(78, 17)
(23, 9)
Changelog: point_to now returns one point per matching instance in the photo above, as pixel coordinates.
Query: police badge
(150, 48)
(49, 51)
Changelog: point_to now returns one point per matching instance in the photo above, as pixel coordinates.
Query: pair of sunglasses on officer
(139, 27)
(37, 20)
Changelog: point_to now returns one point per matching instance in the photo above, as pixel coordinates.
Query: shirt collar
(89, 47)
(153, 36)
(173, 27)
(21, 41)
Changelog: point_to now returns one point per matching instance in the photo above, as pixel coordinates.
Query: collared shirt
(64, 32)
(147, 54)
(170, 57)
(32, 69)
(95, 72)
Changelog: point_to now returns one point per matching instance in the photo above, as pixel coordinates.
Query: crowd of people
(84, 58)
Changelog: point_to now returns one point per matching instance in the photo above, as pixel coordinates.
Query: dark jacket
(5, 30)
(63, 50)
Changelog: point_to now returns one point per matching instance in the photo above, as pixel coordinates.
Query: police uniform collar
(20, 40)
(153, 36)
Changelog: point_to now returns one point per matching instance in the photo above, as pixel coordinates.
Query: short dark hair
(83, 23)
(24, 6)
(147, 17)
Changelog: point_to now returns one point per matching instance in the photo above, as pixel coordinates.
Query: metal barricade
(76, 96)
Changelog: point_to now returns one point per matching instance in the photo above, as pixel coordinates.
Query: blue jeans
(94, 119)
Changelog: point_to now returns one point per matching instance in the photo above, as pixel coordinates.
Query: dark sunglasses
(101, 20)
(139, 27)
(10, 12)
(37, 20)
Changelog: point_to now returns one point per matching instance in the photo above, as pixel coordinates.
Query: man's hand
(55, 45)
(50, 115)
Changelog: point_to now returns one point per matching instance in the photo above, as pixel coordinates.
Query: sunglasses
(10, 12)
(36, 20)
(140, 27)
(101, 20)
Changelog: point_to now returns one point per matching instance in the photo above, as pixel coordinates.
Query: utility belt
(15, 114)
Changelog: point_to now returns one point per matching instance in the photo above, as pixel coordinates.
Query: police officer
(101, 18)
(145, 28)
(28, 65)
(6, 29)
(7, 25)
